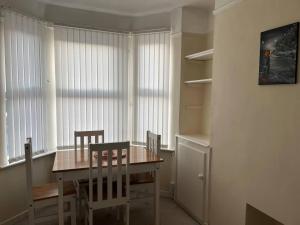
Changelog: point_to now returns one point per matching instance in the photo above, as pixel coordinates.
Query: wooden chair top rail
(89, 133)
(109, 146)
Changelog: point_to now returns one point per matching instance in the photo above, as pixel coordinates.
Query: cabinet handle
(200, 176)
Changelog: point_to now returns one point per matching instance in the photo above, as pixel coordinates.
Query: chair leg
(127, 213)
(31, 215)
(73, 211)
(86, 220)
(78, 199)
(90, 216)
(118, 213)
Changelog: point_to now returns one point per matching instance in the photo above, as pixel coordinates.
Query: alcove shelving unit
(193, 146)
(196, 96)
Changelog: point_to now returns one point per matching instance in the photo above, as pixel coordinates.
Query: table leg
(156, 196)
(60, 199)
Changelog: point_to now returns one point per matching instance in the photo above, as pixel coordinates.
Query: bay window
(96, 80)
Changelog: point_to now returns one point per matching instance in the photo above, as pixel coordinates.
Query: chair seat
(143, 178)
(50, 190)
(104, 190)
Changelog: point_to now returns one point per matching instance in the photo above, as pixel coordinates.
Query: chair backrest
(97, 134)
(110, 157)
(153, 142)
(28, 161)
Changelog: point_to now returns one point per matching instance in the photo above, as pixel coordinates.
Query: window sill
(162, 149)
(23, 160)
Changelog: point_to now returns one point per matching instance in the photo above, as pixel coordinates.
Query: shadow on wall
(256, 217)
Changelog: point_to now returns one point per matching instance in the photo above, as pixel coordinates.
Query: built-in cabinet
(193, 148)
(192, 177)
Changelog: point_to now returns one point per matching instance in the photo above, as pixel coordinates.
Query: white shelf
(202, 56)
(202, 81)
(196, 138)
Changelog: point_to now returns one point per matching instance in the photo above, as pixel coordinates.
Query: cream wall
(256, 157)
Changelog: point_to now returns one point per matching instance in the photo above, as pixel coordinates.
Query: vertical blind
(91, 73)
(91, 83)
(152, 60)
(24, 66)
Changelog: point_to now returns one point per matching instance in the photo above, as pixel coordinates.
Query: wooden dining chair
(140, 182)
(85, 138)
(43, 196)
(111, 188)
(96, 134)
(153, 142)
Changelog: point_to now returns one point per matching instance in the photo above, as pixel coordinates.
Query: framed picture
(279, 55)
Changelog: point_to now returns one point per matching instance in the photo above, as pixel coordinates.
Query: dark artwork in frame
(279, 55)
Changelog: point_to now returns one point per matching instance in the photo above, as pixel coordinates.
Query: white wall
(256, 157)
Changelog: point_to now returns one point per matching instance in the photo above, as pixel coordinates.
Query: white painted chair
(89, 135)
(153, 142)
(85, 138)
(140, 182)
(41, 197)
(112, 178)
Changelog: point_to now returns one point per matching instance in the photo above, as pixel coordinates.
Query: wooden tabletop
(67, 160)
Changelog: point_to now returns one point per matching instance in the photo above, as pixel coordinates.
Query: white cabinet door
(191, 178)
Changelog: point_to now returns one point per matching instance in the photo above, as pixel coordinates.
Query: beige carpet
(141, 213)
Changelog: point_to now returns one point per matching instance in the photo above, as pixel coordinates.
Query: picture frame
(279, 49)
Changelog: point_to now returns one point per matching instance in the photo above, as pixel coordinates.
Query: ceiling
(131, 7)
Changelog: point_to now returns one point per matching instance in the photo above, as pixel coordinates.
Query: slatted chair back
(153, 142)
(82, 135)
(109, 157)
(28, 161)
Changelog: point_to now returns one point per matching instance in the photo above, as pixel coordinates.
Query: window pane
(24, 45)
(152, 79)
(91, 83)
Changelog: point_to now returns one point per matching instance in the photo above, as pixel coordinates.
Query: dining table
(71, 164)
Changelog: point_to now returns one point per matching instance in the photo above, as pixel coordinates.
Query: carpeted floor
(141, 213)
